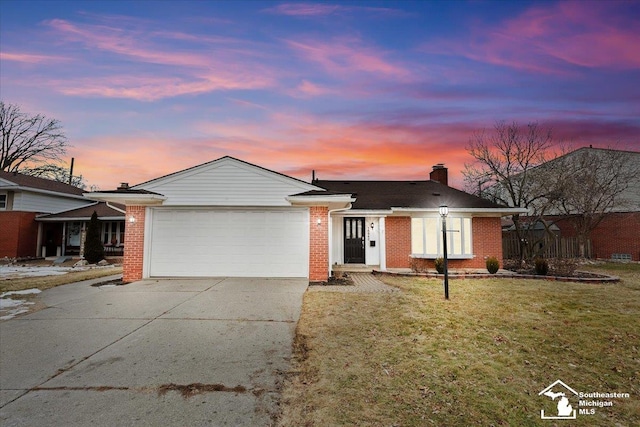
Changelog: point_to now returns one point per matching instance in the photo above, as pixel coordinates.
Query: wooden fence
(550, 247)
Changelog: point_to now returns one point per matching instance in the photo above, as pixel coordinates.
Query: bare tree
(29, 140)
(593, 182)
(55, 173)
(504, 161)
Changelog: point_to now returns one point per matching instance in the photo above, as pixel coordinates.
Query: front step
(353, 268)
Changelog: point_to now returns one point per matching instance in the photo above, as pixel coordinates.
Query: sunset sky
(354, 90)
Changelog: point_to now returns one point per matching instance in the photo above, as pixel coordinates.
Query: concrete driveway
(192, 352)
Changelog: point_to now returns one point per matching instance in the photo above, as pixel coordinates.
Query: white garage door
(229, 242)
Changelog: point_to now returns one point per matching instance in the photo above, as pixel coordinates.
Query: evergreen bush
(439, 264)
(542, 266)
(93, 249)
(493, 265)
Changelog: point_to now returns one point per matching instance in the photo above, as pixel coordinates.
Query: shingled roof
(105, 211)
(31, 182)
(383, 195)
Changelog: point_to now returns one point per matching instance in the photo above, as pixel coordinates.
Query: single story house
(40, 217)
(228, 217)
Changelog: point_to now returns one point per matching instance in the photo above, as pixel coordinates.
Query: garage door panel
(237, 242)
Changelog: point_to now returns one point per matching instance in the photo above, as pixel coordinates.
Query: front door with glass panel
(354, 236)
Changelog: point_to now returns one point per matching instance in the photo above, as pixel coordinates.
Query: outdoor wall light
(372, 226)
(132, 219)
(319, 221)
(444, 211)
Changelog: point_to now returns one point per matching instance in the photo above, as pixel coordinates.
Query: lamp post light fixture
(444, 211)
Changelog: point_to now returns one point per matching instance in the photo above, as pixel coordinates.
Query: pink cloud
(304, 9)
(127, 43)
(187, 73)
(348, 56)
(30, 58)
(307, 89)
(318, 9)
(298, 143)
(292, 144)
(547, 37)
(150, 88)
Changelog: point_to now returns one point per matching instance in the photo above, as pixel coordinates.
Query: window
(3, 201)
(426, 237)
(113, 233)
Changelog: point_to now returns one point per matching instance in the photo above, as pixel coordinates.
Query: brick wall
(18, 234)
(617, 233)
(487, 242)
(318, 244)
(133, 244)
(398, 241)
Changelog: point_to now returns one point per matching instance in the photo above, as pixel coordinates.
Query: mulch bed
(116, 282)
(343, 280)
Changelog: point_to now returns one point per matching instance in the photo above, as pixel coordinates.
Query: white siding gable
(226, 182)
(28, 201)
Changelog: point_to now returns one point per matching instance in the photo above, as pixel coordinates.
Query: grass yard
(46, 282)
(481, 358)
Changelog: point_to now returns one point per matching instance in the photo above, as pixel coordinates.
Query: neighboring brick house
(617, 235)
(232, 218)
(22, 198)
(74, 223)
(41, 217)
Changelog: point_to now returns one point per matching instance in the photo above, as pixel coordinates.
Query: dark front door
(354, 240)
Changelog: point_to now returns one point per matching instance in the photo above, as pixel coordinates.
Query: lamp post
(444, 211)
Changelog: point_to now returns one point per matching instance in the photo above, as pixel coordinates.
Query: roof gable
(226, 182)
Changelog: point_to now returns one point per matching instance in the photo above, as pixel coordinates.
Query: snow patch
(13, 313)
(25, 292)
(13, 272)
(10, 308)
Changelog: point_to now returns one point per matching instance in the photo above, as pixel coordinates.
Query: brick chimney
(439, 173)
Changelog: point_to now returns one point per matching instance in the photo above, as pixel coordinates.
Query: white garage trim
(242, 241)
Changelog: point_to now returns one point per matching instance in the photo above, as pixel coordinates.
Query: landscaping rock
(81, 263)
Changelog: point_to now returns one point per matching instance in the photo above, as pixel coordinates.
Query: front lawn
(481, 358)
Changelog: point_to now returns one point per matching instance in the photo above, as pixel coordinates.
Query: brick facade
(487, 242)
(398, 241)
(617, 233)
(318, 243)
(18, 234)
(133, 244)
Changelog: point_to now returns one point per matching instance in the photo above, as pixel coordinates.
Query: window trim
(4, 203)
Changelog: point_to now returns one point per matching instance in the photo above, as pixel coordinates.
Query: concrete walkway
(208, 352)
(362, 283)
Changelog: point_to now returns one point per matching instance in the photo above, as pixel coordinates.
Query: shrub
(493, 265)
(563, 266)
(541, 266)
(93, 250)
(418, 265)
(439, 264)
